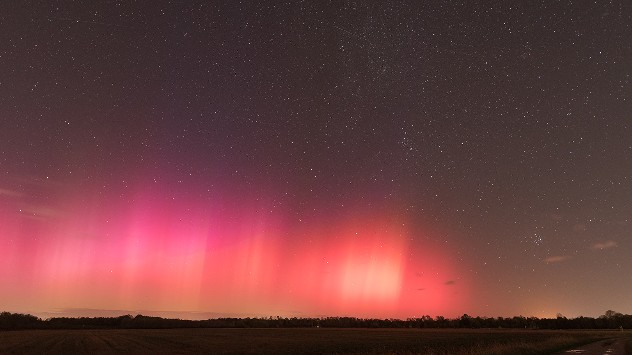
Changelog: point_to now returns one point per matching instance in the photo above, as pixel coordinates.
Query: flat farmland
(297, 341)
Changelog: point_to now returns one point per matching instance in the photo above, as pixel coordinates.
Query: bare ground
(297, 341)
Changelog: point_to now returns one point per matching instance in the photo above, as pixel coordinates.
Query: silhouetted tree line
(610, 320)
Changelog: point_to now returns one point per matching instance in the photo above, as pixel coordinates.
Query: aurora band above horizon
(241, 258)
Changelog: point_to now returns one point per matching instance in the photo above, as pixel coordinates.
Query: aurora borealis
(392, 159)
(156, 253)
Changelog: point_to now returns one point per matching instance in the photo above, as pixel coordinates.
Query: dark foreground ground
(603, 347)
(298, 341)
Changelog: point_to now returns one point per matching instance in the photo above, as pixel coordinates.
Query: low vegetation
(610, 320)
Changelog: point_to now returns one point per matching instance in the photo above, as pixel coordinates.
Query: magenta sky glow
(186, 255)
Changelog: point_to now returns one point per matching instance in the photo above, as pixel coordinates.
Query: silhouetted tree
(12, 321)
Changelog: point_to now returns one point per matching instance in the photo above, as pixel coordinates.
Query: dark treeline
(610, 320)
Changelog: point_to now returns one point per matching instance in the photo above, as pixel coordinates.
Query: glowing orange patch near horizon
(368, 267)
(369, 264)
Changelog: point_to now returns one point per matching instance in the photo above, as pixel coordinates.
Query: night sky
(316, 158)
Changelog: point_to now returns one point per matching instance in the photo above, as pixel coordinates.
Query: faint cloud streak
(9, 193)
(556, 259)
(605, 245)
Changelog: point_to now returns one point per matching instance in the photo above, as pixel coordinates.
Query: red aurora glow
(188, 256)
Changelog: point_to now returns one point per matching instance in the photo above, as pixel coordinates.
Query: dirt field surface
(604, 347)
(297, 341)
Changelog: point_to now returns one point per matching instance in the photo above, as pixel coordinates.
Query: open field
(298, 341)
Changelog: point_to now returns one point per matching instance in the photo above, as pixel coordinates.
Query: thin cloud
(9, 193)
(605, 245)
(41, 212)
(556, 259)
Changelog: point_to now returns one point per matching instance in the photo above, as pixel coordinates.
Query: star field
(302, 158)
